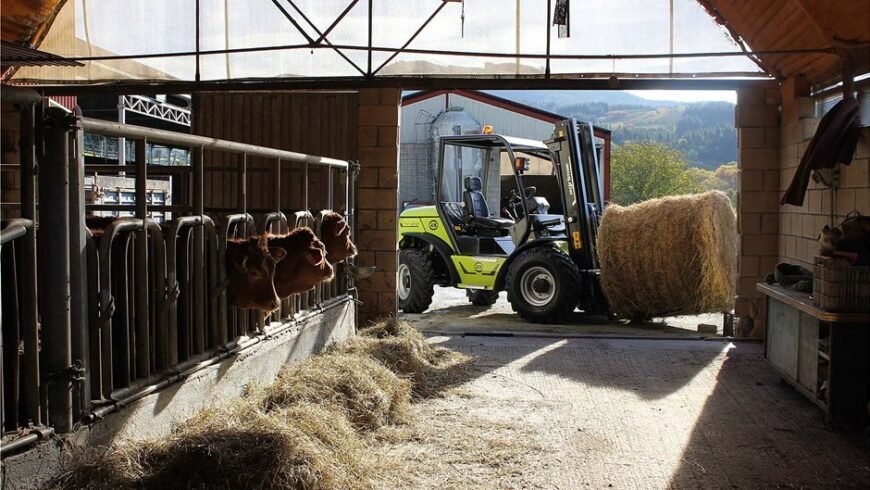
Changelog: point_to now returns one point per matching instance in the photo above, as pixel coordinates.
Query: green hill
(703, 131)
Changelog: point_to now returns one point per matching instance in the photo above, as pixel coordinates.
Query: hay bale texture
(669, 256)
(402, 349)
(366, 392)
(239, 446)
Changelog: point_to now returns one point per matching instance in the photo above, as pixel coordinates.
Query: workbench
(824, 355)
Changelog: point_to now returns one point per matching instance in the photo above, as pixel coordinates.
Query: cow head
(251, 267)
(335, 233)
(305, 264)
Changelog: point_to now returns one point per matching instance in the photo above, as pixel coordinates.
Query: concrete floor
(451, 313)
(628, 413)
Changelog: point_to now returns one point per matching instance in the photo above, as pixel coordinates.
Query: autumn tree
(641, 171)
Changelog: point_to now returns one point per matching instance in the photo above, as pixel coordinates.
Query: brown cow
(335, 233)
(251, 266)
(305, 264)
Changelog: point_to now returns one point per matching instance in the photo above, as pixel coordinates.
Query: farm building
(121, 330)
(420, 113)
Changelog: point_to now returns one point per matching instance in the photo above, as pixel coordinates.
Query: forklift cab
(489, 207)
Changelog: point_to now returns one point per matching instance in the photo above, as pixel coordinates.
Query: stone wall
(378, 200)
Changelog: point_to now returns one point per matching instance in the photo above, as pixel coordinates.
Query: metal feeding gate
(139, 302)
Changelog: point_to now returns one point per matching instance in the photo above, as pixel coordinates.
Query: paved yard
(549, 412)
(623, 413)
(451, 313)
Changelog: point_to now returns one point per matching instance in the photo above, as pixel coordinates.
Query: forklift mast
(576, 163)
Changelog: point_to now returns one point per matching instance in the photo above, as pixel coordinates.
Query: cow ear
(277, 253)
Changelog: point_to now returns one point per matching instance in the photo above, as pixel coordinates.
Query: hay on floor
(366, 392)
(669, 256)
(402, 349)
(304, 447)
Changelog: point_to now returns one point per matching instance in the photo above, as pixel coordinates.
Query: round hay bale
(369, 394)
(669, 256)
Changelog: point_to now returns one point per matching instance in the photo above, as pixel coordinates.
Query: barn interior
(202, 121)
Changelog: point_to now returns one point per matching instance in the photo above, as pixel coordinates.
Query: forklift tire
(542, 285)
(481, 297)
(416, 281)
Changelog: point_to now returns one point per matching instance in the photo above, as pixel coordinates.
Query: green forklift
(493, 227)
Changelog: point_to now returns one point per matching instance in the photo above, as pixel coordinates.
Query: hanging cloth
(834, 142)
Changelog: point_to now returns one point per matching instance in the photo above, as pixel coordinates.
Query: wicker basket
(838, 286)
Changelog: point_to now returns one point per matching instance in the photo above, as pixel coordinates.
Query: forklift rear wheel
(482, 297)
(542, 285)
(416, 281)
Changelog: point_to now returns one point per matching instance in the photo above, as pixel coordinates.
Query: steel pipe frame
(185, 370)
(28, 389)
(54, 271)
(173, 291)
(78, 270)
(107, 128)
(106, 307)
(238, 319)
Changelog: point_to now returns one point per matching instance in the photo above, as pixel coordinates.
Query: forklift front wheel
(416, 281)
(542, 285)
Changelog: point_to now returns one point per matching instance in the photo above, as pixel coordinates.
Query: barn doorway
(690, 132)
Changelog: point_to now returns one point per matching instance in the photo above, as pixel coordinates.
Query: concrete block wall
(378, 200)
(757, 122)
(800, 225)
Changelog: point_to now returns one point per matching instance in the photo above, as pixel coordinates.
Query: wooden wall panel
(316, 123)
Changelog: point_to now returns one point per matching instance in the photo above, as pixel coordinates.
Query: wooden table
(824, 355)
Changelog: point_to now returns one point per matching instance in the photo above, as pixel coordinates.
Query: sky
(687, 95)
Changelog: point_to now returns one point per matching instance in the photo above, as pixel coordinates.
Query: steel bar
(565, 81)
(152, 170)
(30, 313)
(109, 128)
(94, 365)
(78, 264)
(20, 95)
(476, 54)
(54, 277)
(276, 189)
(199, 252)
(293, 21)
(369, 44)
(323, 36)
(141, 354)
(336, 21)
(25, 441)
(410, 39)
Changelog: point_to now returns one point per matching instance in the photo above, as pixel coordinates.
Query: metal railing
(19, 392)
(139, 304)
